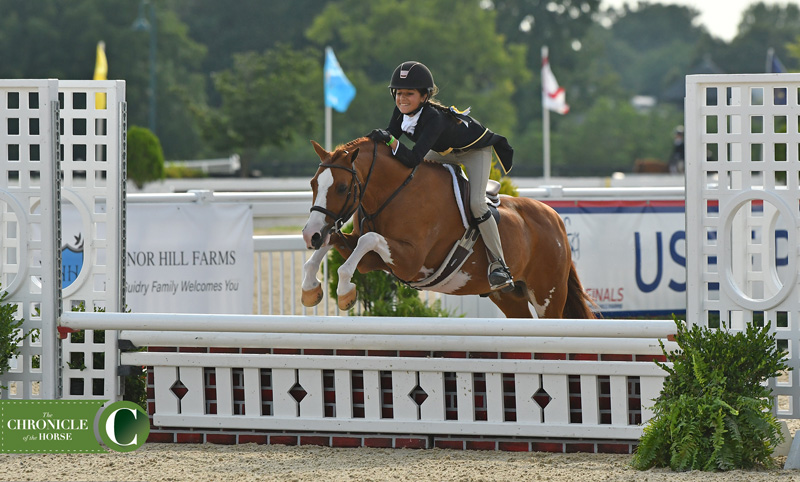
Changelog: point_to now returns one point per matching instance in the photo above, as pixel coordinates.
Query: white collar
(410, 122)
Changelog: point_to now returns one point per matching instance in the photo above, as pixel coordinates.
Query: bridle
(355, 194)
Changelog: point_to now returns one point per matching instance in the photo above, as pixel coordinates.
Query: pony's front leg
(346, 290)
(312, 288)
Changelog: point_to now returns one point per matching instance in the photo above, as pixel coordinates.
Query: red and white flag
(553, 97)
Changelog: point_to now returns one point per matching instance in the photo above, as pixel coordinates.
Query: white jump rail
(281, 410)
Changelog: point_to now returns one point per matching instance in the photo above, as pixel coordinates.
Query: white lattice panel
(742, 216)
(29, 255)
(93, 143)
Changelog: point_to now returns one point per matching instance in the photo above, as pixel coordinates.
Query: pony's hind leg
(513, 304)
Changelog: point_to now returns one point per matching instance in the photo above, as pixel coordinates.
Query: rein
(356, 191)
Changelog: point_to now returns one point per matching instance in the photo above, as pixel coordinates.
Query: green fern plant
(11, 334)
(714, 412)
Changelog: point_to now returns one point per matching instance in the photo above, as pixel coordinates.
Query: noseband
(356, 192)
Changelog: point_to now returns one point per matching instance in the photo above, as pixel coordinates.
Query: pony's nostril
(316, 240)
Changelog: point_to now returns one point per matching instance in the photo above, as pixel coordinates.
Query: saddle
(461, 189)
(463, 247)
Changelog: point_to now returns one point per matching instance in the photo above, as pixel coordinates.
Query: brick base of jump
(418, 441)
(397, 441)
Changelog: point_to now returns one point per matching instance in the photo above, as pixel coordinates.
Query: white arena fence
(279, 258)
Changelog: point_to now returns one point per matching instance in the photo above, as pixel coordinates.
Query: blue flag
(775, 65)
(338, 90)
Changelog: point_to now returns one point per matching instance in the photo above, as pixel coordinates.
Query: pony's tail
(578, 305)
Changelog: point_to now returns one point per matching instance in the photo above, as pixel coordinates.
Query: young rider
(448, 136)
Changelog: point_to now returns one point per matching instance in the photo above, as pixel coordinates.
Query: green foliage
(380, 293)
(11, 333)
(135, 385)
(266, 101)
(714, 413)
(145, 157)
(507, 186)
(176, 171)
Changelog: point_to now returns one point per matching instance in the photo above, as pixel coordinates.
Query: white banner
(630, 255)
(189, 258)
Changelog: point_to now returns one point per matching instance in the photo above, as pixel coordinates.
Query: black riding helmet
(411, 75)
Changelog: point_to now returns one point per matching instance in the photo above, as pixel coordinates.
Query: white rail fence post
(93, 139)
(30, 262)
(742, 192)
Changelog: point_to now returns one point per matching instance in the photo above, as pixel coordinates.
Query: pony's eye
(341, 188)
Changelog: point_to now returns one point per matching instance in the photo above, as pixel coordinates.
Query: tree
(559, 24)
(763, 27)
(472, 64)
(57, 39)
(145, 157)
(267, 99)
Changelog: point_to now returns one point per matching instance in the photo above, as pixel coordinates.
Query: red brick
(161, 437)
(256, 351)
(516, 356)
(449, 444)
(451, 354)
(650, 358)
(283, 440)
(223, 350)
(614, 449)
(552, 447)
(248, 438)
(348, 442)
(514, 446)
(317, 351)
(378, 442)
(315, 440)
(193, 349)
(189, 438)
(487, 355)
(410, 443)
(161, 349)
(381, 353)
(481, 445)
(618, 357)
(586, 448)
(350, 352)
(287, 351)
(414, 353)
(584, 356)
(151, 377)
(221, 438)
(329, 396)
(550, 356)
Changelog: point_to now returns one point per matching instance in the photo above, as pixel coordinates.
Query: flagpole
(770, 53)
(545, 125)
(328, 128)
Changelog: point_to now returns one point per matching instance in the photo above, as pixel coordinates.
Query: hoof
(347, 301)
(312, 297)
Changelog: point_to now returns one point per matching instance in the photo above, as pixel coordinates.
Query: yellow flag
(100, 73)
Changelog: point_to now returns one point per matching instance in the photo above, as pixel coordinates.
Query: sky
(720, 17)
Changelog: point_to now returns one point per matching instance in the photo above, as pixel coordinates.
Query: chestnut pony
(406, 222)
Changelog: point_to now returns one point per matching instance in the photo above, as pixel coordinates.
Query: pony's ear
(354, 156)
(322, 153)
